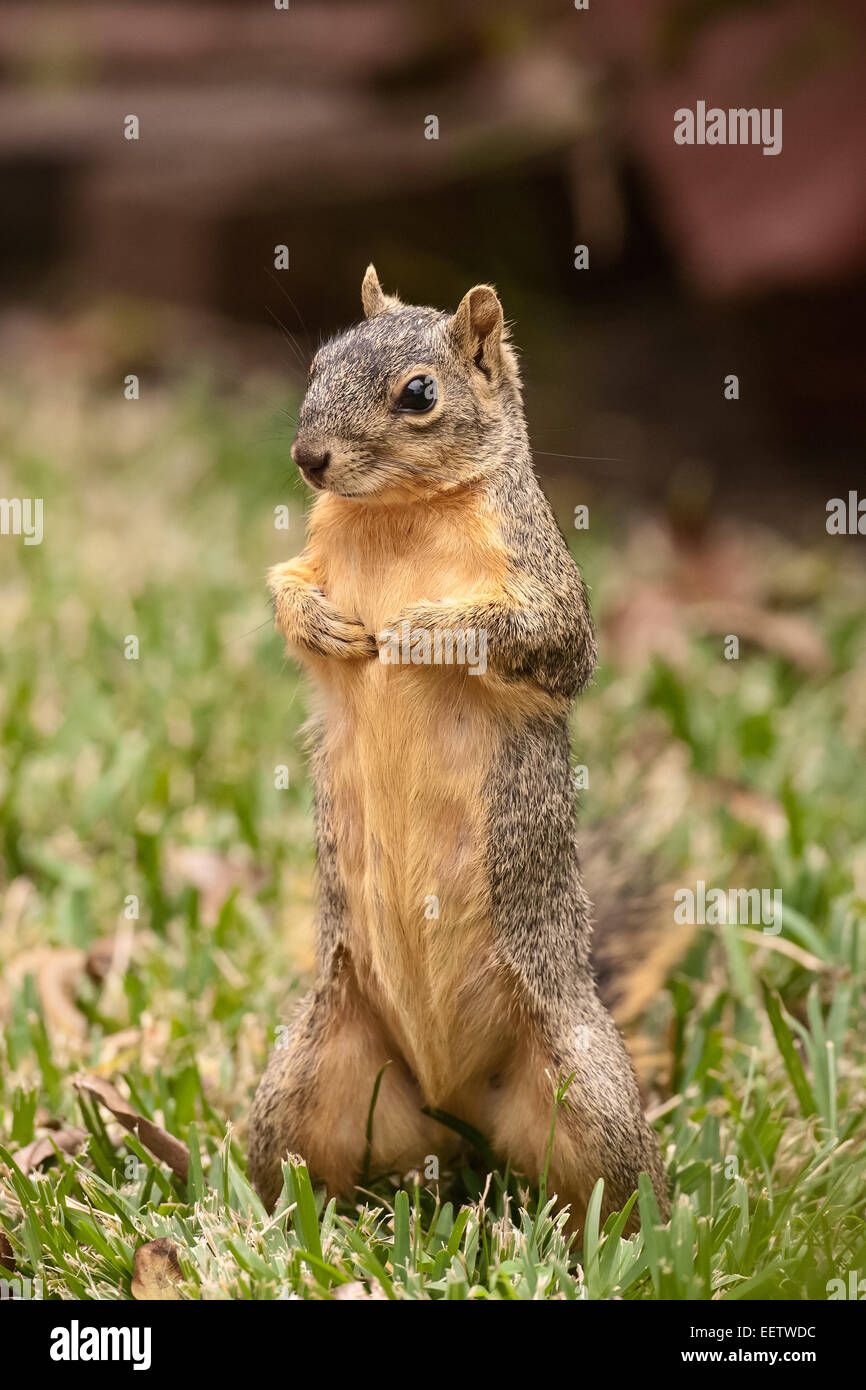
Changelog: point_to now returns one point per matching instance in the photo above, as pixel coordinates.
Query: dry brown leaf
(653, 622)
(7, 1254)
(720, 563)
(672, 584)
(749, 805)
(649, 621)
(162, 1145)
(216, 876)
(57, 972)
(156, 1272)
(100, 958)
(788, 634)
(68, 1141)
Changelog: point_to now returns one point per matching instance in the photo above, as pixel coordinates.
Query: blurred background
(156, 831)
(305, 127)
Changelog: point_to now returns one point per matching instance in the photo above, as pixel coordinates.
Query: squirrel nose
(311, 461)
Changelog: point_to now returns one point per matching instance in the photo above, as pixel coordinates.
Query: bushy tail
(636, 944)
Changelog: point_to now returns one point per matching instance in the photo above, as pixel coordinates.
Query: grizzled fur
(432, 784)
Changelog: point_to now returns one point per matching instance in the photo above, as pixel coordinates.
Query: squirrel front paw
(434, 633)
(433, 615)
(428, 615)
(307, 619)
(331, 634)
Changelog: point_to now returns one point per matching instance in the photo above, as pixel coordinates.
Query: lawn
(157, 885)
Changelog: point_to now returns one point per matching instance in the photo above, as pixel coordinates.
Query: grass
(173, 786)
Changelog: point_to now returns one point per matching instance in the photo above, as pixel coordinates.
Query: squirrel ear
(478, 326)
(373, 297)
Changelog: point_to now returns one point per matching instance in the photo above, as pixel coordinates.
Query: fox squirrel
(454, 927)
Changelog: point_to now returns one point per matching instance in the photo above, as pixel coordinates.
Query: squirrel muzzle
(312, 458)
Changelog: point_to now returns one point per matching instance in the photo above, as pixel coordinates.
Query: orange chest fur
(376, 561)
(408, 752)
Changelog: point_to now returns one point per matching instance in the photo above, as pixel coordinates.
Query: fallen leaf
(673, 583)
(216, 876)
(100, 957)
(156, 1272)
(788, 634)
(7, 1254)
(162, 1145)
(749, 805)
(720, 562)
(650, 621)
(39, 1151)
(57, 972)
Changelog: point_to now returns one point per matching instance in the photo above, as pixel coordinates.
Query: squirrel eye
(418, 395)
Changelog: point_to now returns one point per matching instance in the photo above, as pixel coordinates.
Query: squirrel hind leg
(601, 1130)
(315, 1096)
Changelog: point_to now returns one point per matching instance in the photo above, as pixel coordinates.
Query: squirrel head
(411, 402)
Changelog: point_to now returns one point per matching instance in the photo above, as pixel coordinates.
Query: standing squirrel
(454, 927)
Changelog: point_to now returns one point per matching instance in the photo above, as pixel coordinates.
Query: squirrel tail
(635, 944)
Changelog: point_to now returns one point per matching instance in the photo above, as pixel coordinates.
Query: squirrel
(453, 926)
